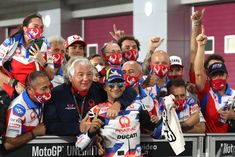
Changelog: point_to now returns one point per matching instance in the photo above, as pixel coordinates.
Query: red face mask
(159, 70)
(131, 81)
(179, 104)
(178, 77)
(114, 59)
(218, 84)
(130, 55)
(42, 98)
(34, 33)
(57, 59)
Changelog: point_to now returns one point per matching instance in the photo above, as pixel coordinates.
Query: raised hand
(197, 17)
(202, 38)
(117, 34)
(35, 51)
(154, 43)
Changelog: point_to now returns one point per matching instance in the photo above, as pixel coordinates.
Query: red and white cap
(176, 60)
(74, 38)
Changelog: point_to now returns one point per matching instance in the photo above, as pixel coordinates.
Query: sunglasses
(119, 84)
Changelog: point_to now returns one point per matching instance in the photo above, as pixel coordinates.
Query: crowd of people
(51, 87)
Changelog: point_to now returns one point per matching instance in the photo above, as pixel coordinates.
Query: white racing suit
(121, 136)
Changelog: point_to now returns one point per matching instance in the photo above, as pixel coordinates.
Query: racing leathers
(121, 136)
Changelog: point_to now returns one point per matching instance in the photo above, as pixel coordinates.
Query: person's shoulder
(9, 41)
(18, 107)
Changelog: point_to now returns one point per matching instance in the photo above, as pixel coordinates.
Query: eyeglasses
(119, 84)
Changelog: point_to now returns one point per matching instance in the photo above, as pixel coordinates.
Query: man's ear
(24, 28)
(30, 90)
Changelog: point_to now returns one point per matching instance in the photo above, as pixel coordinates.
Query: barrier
(218, 145)
(50, 146)
(64, 146)
(193, 146)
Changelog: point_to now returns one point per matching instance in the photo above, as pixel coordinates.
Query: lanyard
(80, 112)
(40, 114)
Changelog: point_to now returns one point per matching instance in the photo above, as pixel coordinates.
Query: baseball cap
(176, 60)
(217, 67)
(74, 38)
(114, 74)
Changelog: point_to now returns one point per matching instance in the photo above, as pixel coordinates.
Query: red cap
(74, 38)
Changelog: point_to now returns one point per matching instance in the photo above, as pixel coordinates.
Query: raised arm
(196, 19)
(200, 75)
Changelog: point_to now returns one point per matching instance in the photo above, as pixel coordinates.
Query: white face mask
(99, 67)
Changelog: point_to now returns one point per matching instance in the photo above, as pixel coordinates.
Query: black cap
(217, 67)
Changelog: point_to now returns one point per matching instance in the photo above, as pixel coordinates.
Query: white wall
(55, 24)
(147, 26)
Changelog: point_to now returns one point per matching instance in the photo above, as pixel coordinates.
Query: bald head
(160, 57)
(132, 68)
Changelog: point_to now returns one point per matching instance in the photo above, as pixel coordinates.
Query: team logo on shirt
(19, 110)
(33, 116)
(124, 121)
(70, 107)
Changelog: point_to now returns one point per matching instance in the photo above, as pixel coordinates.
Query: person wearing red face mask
(157, 79)
(57, 53)
(214, 93)
(130, 47)
(23, 52)
(132, 74)
(187, 108)
(112, 55)
(25, 114)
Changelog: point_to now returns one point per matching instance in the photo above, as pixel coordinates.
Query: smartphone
(38, 41)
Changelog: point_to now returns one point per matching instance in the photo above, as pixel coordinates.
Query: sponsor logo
(73, 151)
(19, 110)
(53, 151)
(12, 125)
(228, 148)
(128, 136)
(15, 120)
(61, 150)
(131, 129)
(70, 107)
(124, 122)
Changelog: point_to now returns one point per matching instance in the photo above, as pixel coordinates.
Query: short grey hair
(69, 68)
(56, 39)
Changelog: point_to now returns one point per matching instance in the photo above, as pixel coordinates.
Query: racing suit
(121, 136)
